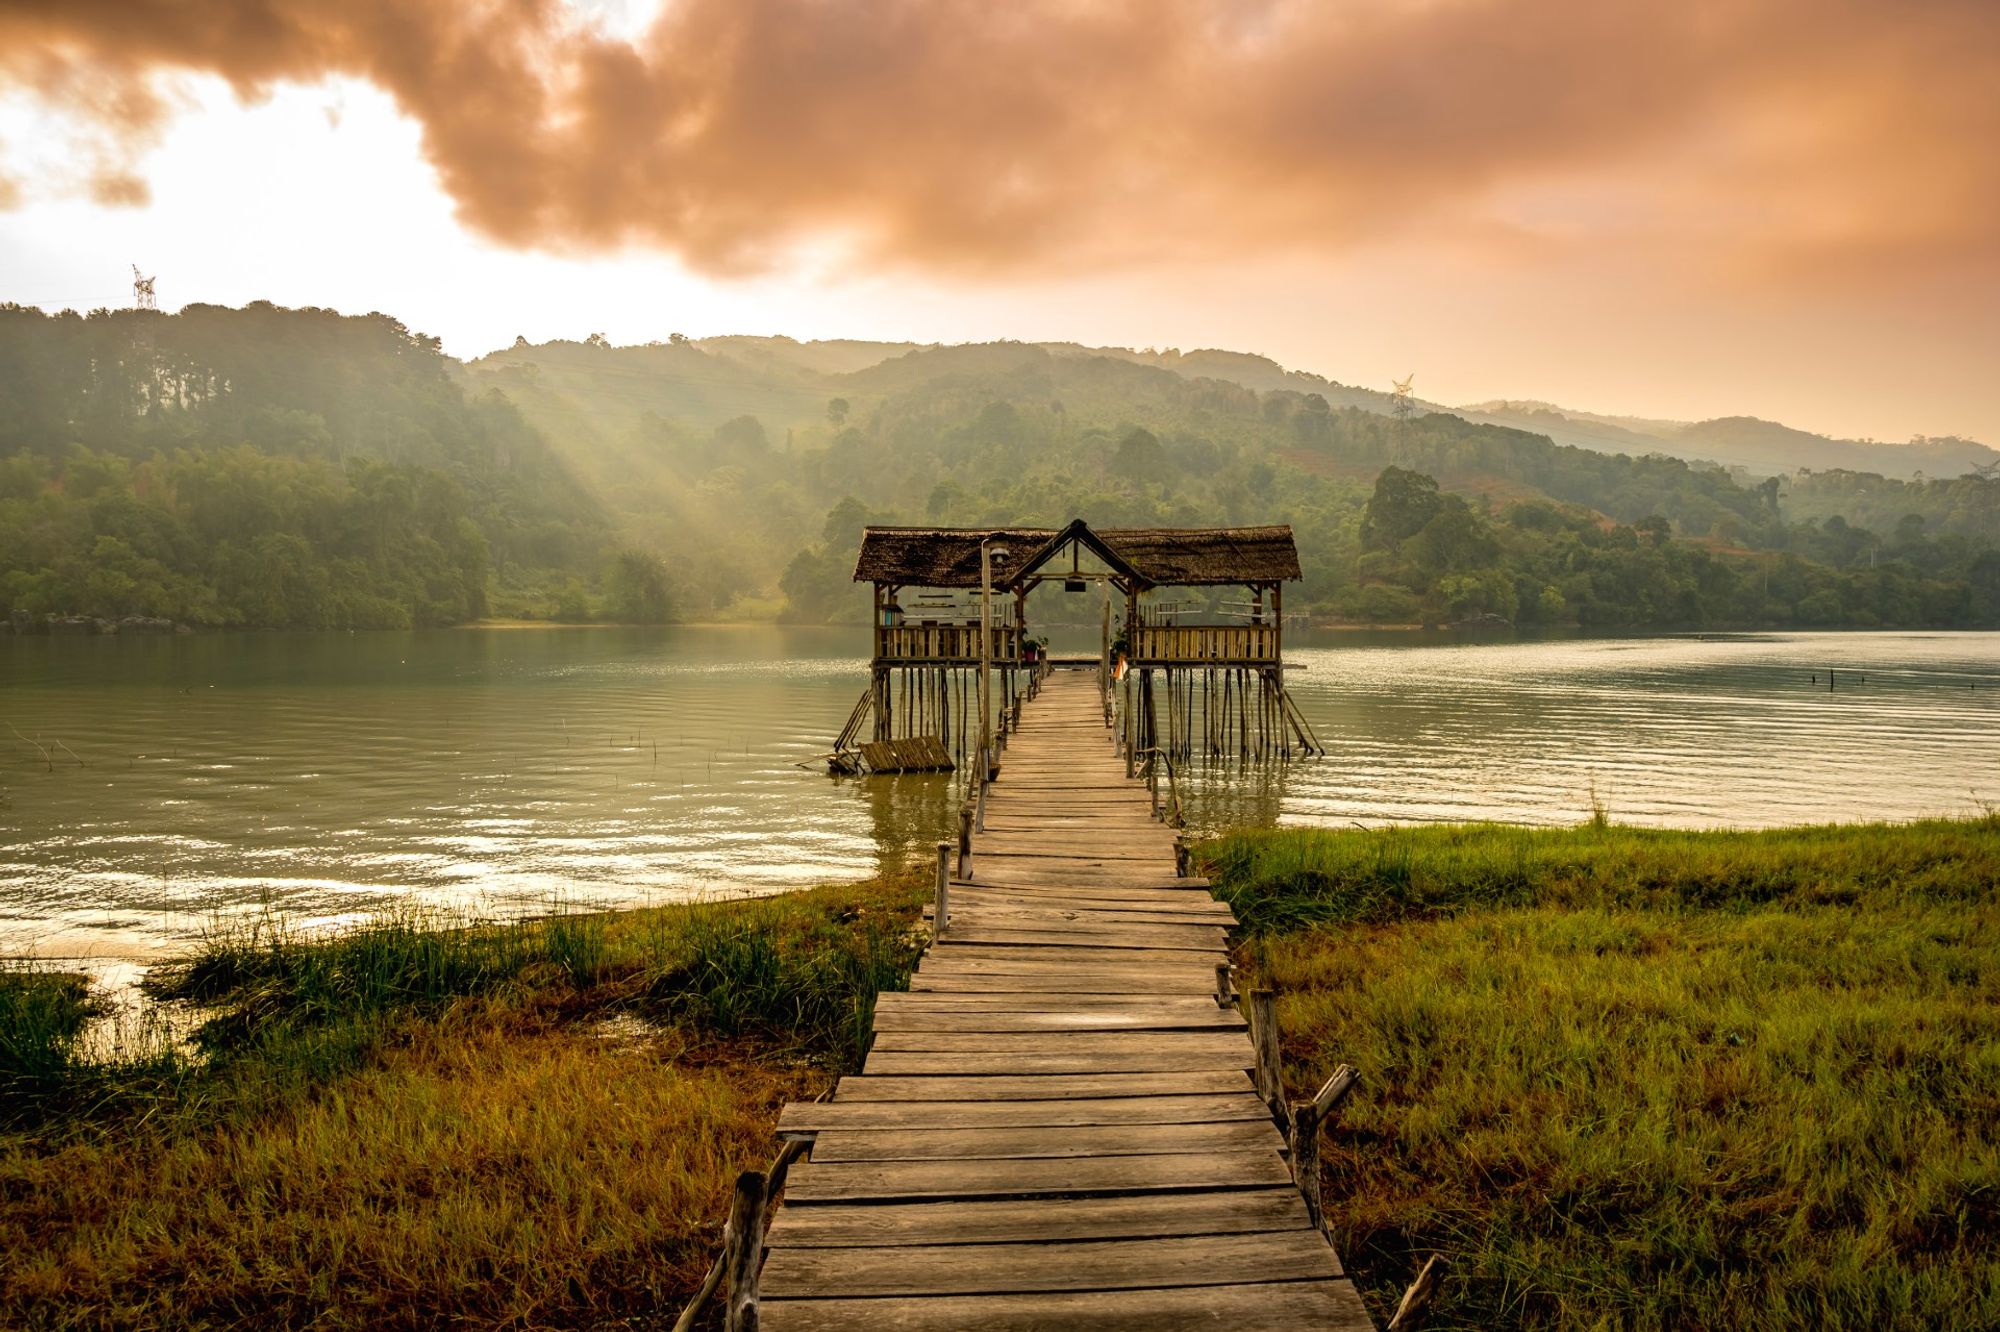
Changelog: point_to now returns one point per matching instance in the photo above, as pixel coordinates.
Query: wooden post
(1302, 1136)
(1225, 988)
(1264, 1036)
(1129, 729)
(1409, 1310)
(1104, 658)
(743, 1250)
(985, 644)
(965, 840)
(985, 773)
(941, 915)
(1183, 857)
(1153, 780)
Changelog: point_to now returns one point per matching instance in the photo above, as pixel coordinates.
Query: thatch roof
(1207, 556)
(940, 556)
(1155, 556)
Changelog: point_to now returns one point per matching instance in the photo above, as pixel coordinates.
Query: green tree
(640, 589)
(1403, 502)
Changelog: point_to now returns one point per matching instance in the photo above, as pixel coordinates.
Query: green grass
(1286, 878)
(1627, 1079)
(42, 1018)
(416, 1123)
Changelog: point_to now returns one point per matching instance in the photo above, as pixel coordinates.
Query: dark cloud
(1054, 135)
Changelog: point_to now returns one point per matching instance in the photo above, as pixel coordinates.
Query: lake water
(153, 785)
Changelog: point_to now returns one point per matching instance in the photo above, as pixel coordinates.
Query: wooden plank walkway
(1056, 1127)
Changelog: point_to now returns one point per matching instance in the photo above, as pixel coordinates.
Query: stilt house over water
(1182, 675)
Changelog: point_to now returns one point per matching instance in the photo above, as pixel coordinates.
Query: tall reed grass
(42, 1018)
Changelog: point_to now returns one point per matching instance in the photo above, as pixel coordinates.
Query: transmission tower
(142, 291)
(1400, 407)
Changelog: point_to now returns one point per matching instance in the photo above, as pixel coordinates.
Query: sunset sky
(1782, 208)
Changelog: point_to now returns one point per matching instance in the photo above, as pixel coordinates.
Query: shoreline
(607, 1073)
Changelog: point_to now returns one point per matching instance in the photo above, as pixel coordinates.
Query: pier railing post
(743, 1251)
(965, 840)
(941, 914)
(1225, 988)
(1302, 1136)
(979, 808)
(1264, 1039)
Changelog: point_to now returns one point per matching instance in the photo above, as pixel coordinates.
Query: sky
(1780, 208)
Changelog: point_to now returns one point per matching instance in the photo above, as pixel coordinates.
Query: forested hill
(738, 450)
(297, 467)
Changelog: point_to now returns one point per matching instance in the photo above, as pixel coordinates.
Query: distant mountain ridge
(1763, 448)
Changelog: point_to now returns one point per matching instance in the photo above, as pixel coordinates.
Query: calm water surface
(153, 785)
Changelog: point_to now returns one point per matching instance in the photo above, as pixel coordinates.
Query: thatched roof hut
(1138, 557)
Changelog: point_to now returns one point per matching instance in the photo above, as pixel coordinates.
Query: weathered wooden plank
(1043, 1141)
(853, 1225)
(1224, 1044)
(1196, 1016)
(1105, 885)
(921, 1062)
(1087, 934)
(1055, 974)
(998, 1269)
(995, 909)
(1080, 956)
(1079, 860)
(1324, 1306)
(1021, 982)
(974, 1087)
(831, 1181)
(903, 1001)
(803, 1118)
(1077, 886)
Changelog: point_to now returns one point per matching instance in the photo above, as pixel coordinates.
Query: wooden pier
(1057, 1127)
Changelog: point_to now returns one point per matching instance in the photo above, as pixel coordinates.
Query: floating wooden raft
(1056, 1127)
(922, 753)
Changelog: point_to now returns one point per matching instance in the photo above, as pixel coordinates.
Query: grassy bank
(1642, 1079)
(415, 1125)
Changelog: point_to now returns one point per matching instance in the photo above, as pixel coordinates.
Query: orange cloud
(1056, 135)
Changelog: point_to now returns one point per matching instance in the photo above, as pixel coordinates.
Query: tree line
(271, 467)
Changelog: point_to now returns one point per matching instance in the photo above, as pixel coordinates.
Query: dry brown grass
(544, 1156)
